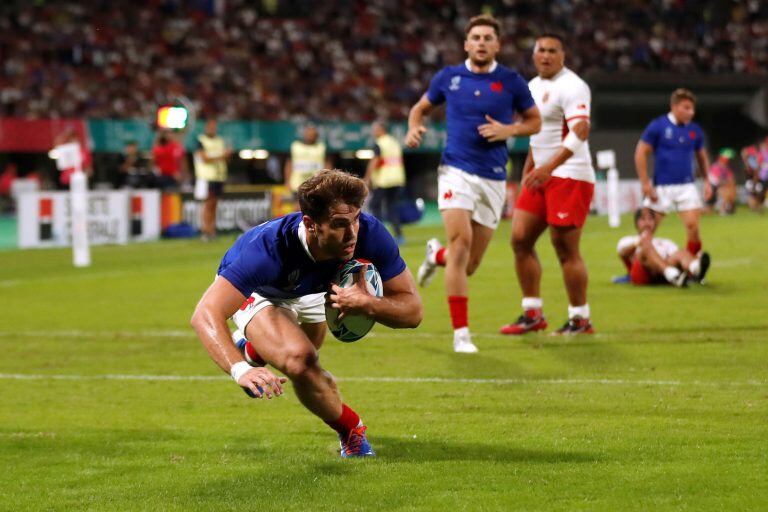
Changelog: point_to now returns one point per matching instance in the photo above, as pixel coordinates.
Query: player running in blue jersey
(482, 98)
(675, 140)
(272, 283)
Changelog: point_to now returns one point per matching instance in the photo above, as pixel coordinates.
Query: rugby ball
(353, 327)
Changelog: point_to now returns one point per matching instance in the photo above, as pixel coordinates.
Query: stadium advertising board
(234, 211)
(114, 217)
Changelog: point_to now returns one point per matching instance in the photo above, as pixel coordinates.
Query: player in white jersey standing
(558, 184)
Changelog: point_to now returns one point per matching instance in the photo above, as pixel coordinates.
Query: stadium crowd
(331, 60)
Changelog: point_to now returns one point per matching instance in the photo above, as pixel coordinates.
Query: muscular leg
(690, 220)
(458, 230)
(278, 339)
(649, 257)
(566, 243)
(315, 332)
(681, 260)
(526, 229)
(481, 237)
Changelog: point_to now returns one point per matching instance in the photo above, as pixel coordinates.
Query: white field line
(401, 380)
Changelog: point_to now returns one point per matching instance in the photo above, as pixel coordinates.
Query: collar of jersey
(302, 232)
(556, 75)
(673, 119)
(469, 67)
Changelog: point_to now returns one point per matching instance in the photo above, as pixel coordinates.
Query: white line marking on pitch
(397, 380)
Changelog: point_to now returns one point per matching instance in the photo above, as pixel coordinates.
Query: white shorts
(464, 191)
(678, 198)
(309, 309)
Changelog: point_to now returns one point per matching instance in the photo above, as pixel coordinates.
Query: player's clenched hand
(413, 137)
(649, 191)
(494, 131)
(352, 300)
(536, 177)
(707, 190)
(260, 381)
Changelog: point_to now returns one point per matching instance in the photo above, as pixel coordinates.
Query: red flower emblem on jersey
(692, 135)
(448, 195)
(497, 87)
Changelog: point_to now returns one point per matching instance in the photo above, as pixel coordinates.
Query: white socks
(580, 311)
(695, 267)
(532, 303)
(672, 273)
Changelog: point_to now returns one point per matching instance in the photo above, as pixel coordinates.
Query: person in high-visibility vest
(386, 177)
(211, 157)
(308, 157)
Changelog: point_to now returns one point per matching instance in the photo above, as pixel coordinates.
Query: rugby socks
(693, 247)
(440, 257)
(458, 307)
(671, 273)
(578, 311)
(532, 307)
(346, 422)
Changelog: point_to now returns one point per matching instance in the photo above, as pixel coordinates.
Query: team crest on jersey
(455, 83)
(692, 135)
(448, 195)
(545, 98)
(497, 87)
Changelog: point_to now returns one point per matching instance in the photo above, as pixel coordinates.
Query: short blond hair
(682, 94)
(328, 187)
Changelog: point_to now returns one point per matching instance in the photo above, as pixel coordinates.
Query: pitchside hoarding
(114, 217)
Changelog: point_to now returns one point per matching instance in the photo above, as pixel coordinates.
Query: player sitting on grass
(272, 281)
(654, 260)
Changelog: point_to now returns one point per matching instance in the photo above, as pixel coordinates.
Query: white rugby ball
(353, 327)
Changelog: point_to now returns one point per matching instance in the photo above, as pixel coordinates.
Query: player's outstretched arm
(642, 151)
(399, 308)
(416, 126)
(209, 320)
(702, 161)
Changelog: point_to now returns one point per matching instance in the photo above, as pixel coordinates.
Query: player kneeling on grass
(272, 283)
(654, 260)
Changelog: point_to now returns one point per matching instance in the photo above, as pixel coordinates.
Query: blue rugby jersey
(674, 147)
(271, 260)
(469, 97)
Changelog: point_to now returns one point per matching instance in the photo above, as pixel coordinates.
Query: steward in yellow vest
(386, 176)
(307, 158)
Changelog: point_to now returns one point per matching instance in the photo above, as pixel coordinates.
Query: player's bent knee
(298, 361)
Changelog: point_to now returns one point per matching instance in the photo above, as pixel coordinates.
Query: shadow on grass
(400, 449)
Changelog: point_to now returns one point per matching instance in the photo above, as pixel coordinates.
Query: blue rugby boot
(356, 444)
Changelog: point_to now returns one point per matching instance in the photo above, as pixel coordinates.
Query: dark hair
(484, 20)
(681, 94)
(552, 35)
(639, 213)
(326, 188)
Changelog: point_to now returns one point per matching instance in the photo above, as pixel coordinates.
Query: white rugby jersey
(563, 100)
(664, 246)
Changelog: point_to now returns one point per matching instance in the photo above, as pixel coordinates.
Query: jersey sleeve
(627, 242)
(699, 142)
(382, 250)
(255, 266)
(376, 150)
(523, 100)
(435, 93)
(651, 134)
(577, 102)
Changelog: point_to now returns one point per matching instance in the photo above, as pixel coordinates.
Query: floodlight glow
(245, 154)
(173, 118)
(260, 154)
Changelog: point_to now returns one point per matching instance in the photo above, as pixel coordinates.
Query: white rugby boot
(462, 341)
(429, 265)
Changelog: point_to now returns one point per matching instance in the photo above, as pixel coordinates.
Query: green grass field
(110, 403)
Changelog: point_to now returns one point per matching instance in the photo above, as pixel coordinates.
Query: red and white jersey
(563, 100)
(664, 246)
